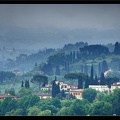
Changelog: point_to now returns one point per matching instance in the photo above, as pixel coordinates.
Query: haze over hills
(22, 38)
(51, 26)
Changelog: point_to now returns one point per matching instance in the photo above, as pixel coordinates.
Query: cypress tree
(22, 85)
(91, 76)
(80, 82)
(86, 69)
(77, 55)
(73, 55)
(96, 80)
(102, 79)
(55, 88)
(99, 69)
(117, 48)
(27, 85)
(104, 66)
(87, 82)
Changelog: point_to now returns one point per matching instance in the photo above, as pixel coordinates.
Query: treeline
(64, 60)
(6, 76)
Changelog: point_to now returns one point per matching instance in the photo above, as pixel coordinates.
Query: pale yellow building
(100, 88)
(77, 93)
(114, 86)
(44, 96)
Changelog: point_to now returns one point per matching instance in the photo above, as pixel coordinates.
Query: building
(114, 86)
(44, 96)
(65, 86)
(76, 92)
(7, 95)
(100, 88)
(47, 87)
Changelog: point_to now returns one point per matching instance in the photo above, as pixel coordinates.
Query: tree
(27, 85)
(22, 85)
(61, 95)
(11, 92)
(87, 82)
(99, 69)
(47, 69)
(89, 94)
(100, 108)
(80, 83)
(55, 88)
(76, 76)
(56, 102)
(18, 112)
(96, 80)
(33, 111)
(102, 79)
(77, 108)
(91, 75)
(86, 69)
(5, 103)
(117, 48)
(104, 66)
(57, 72)
(24, 92)
(64, 111)
(45, 113)
(40, 80)
(33, 100)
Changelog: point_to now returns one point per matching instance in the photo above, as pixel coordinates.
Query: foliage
(64, 111)
(77, 108)
(11, 92)
(25, 92)
(6, 75)
(55, 88)
(117, 48)
(40, 79)
(45, 113)
(33, 111)
(100, 108)
(89, 94)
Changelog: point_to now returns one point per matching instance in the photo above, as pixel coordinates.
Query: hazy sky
(61, 16)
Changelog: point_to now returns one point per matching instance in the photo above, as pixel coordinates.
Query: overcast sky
(61, 16)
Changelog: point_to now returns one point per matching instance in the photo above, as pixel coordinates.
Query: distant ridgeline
(94, 50)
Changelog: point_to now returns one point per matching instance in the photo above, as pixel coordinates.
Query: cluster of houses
(73, 89)
(70, 89)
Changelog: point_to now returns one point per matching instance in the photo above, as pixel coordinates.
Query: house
(7, 95)
(65, 86)
(100, 88)
(114, 86)
(76, 92)
(46, 87)
(44, 96)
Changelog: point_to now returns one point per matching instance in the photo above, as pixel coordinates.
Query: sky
(59, 20)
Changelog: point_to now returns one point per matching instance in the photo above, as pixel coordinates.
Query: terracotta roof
(6, 95)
